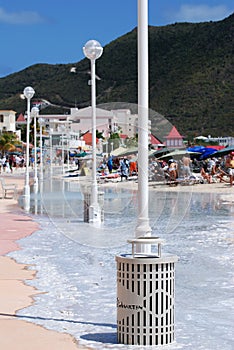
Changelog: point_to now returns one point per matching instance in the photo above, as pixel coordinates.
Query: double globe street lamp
(28, 94)
(93, 50)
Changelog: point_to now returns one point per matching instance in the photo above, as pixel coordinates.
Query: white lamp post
(35, 113)
(28, 94)
(68, 151)
(93, 50)
(143, 227)
(152, 324)
(41, 123)
(51, 150)
(63, 158)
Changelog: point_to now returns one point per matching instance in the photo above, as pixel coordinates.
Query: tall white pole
(143, 228)
(28, 93)
(26, 187)
(63, 152)
(51, 151)
(41, 151)
(68, 146)
(94, 193)
(35, 185)
(93, 50)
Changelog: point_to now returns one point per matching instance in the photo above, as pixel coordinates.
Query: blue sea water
(77, 270)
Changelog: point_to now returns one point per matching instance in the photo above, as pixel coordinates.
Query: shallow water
(77, 270)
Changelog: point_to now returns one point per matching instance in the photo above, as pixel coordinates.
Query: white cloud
(22, 17)
(201, 13)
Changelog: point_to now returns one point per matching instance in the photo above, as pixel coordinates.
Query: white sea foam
(78, 273)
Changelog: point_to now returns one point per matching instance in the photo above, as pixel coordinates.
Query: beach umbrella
(160, 152)
(199, 149)
(224, 151)
(118, 151)
(203, 152)
(178, 153)
(207, 153)
(78, 155)
(128, 152)
(16, 153)
(216, 147)
(75, 153)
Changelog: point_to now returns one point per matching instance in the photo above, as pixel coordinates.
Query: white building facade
(79, 122)
(82, 120)
(127, 122)
(222, 141)
(7, 120)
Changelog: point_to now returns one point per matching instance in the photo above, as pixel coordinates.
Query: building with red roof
(21, 120)
(87, 137)
(174, 139)
(155, 142)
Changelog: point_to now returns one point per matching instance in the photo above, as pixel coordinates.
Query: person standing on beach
(173, 171)
(230, 166)
(11, 162)
(110, 164)
(186, 166)
(1, 165)
(124, 168)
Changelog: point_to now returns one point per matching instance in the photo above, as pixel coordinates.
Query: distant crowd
(173, 171)
(8, 162)
(210, 170)
(125, 166)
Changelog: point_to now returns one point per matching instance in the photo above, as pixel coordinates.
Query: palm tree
(7, 142)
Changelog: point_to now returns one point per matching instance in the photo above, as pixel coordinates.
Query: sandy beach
(15, 294)
(215, 187)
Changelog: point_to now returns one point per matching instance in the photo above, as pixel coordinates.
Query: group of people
(124, 165)
(219, 169)
(230, 164)
(210, 170)
(172, 168)
(8, 162)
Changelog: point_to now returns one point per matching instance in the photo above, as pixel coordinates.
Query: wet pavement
(77, 271)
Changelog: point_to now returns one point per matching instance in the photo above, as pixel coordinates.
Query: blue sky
(50, 31)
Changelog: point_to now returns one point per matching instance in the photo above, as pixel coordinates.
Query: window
(1, 118)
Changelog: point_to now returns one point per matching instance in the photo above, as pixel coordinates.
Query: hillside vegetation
(190, 77)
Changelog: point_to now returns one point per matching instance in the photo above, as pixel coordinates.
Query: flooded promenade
(76, 270)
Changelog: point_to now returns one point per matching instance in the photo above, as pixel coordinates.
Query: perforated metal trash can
(145, 299)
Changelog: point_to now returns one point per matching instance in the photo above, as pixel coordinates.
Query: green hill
(190, 77)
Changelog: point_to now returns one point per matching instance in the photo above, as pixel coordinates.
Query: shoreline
(216, 187)
(15, 293)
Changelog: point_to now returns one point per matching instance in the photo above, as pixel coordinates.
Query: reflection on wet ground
(76, 264)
